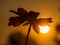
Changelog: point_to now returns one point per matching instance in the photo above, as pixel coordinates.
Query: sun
(44, 29)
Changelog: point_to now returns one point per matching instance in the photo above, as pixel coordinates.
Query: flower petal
(15, 21)
(36, 28)
(33, 14)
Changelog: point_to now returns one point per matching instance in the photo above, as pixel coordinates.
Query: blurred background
(47, 9)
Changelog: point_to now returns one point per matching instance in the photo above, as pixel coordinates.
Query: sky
(47, 9)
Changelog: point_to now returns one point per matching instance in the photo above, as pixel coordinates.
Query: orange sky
(47, 8)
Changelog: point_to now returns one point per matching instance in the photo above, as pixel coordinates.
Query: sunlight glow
(44, 29)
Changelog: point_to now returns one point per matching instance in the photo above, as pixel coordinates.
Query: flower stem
(28, 34)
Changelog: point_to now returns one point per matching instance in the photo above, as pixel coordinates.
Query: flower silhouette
(28, 17)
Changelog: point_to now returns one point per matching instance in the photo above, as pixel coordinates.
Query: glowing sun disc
(44, 29)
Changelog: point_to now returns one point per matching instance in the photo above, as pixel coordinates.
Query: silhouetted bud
(58, 27)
